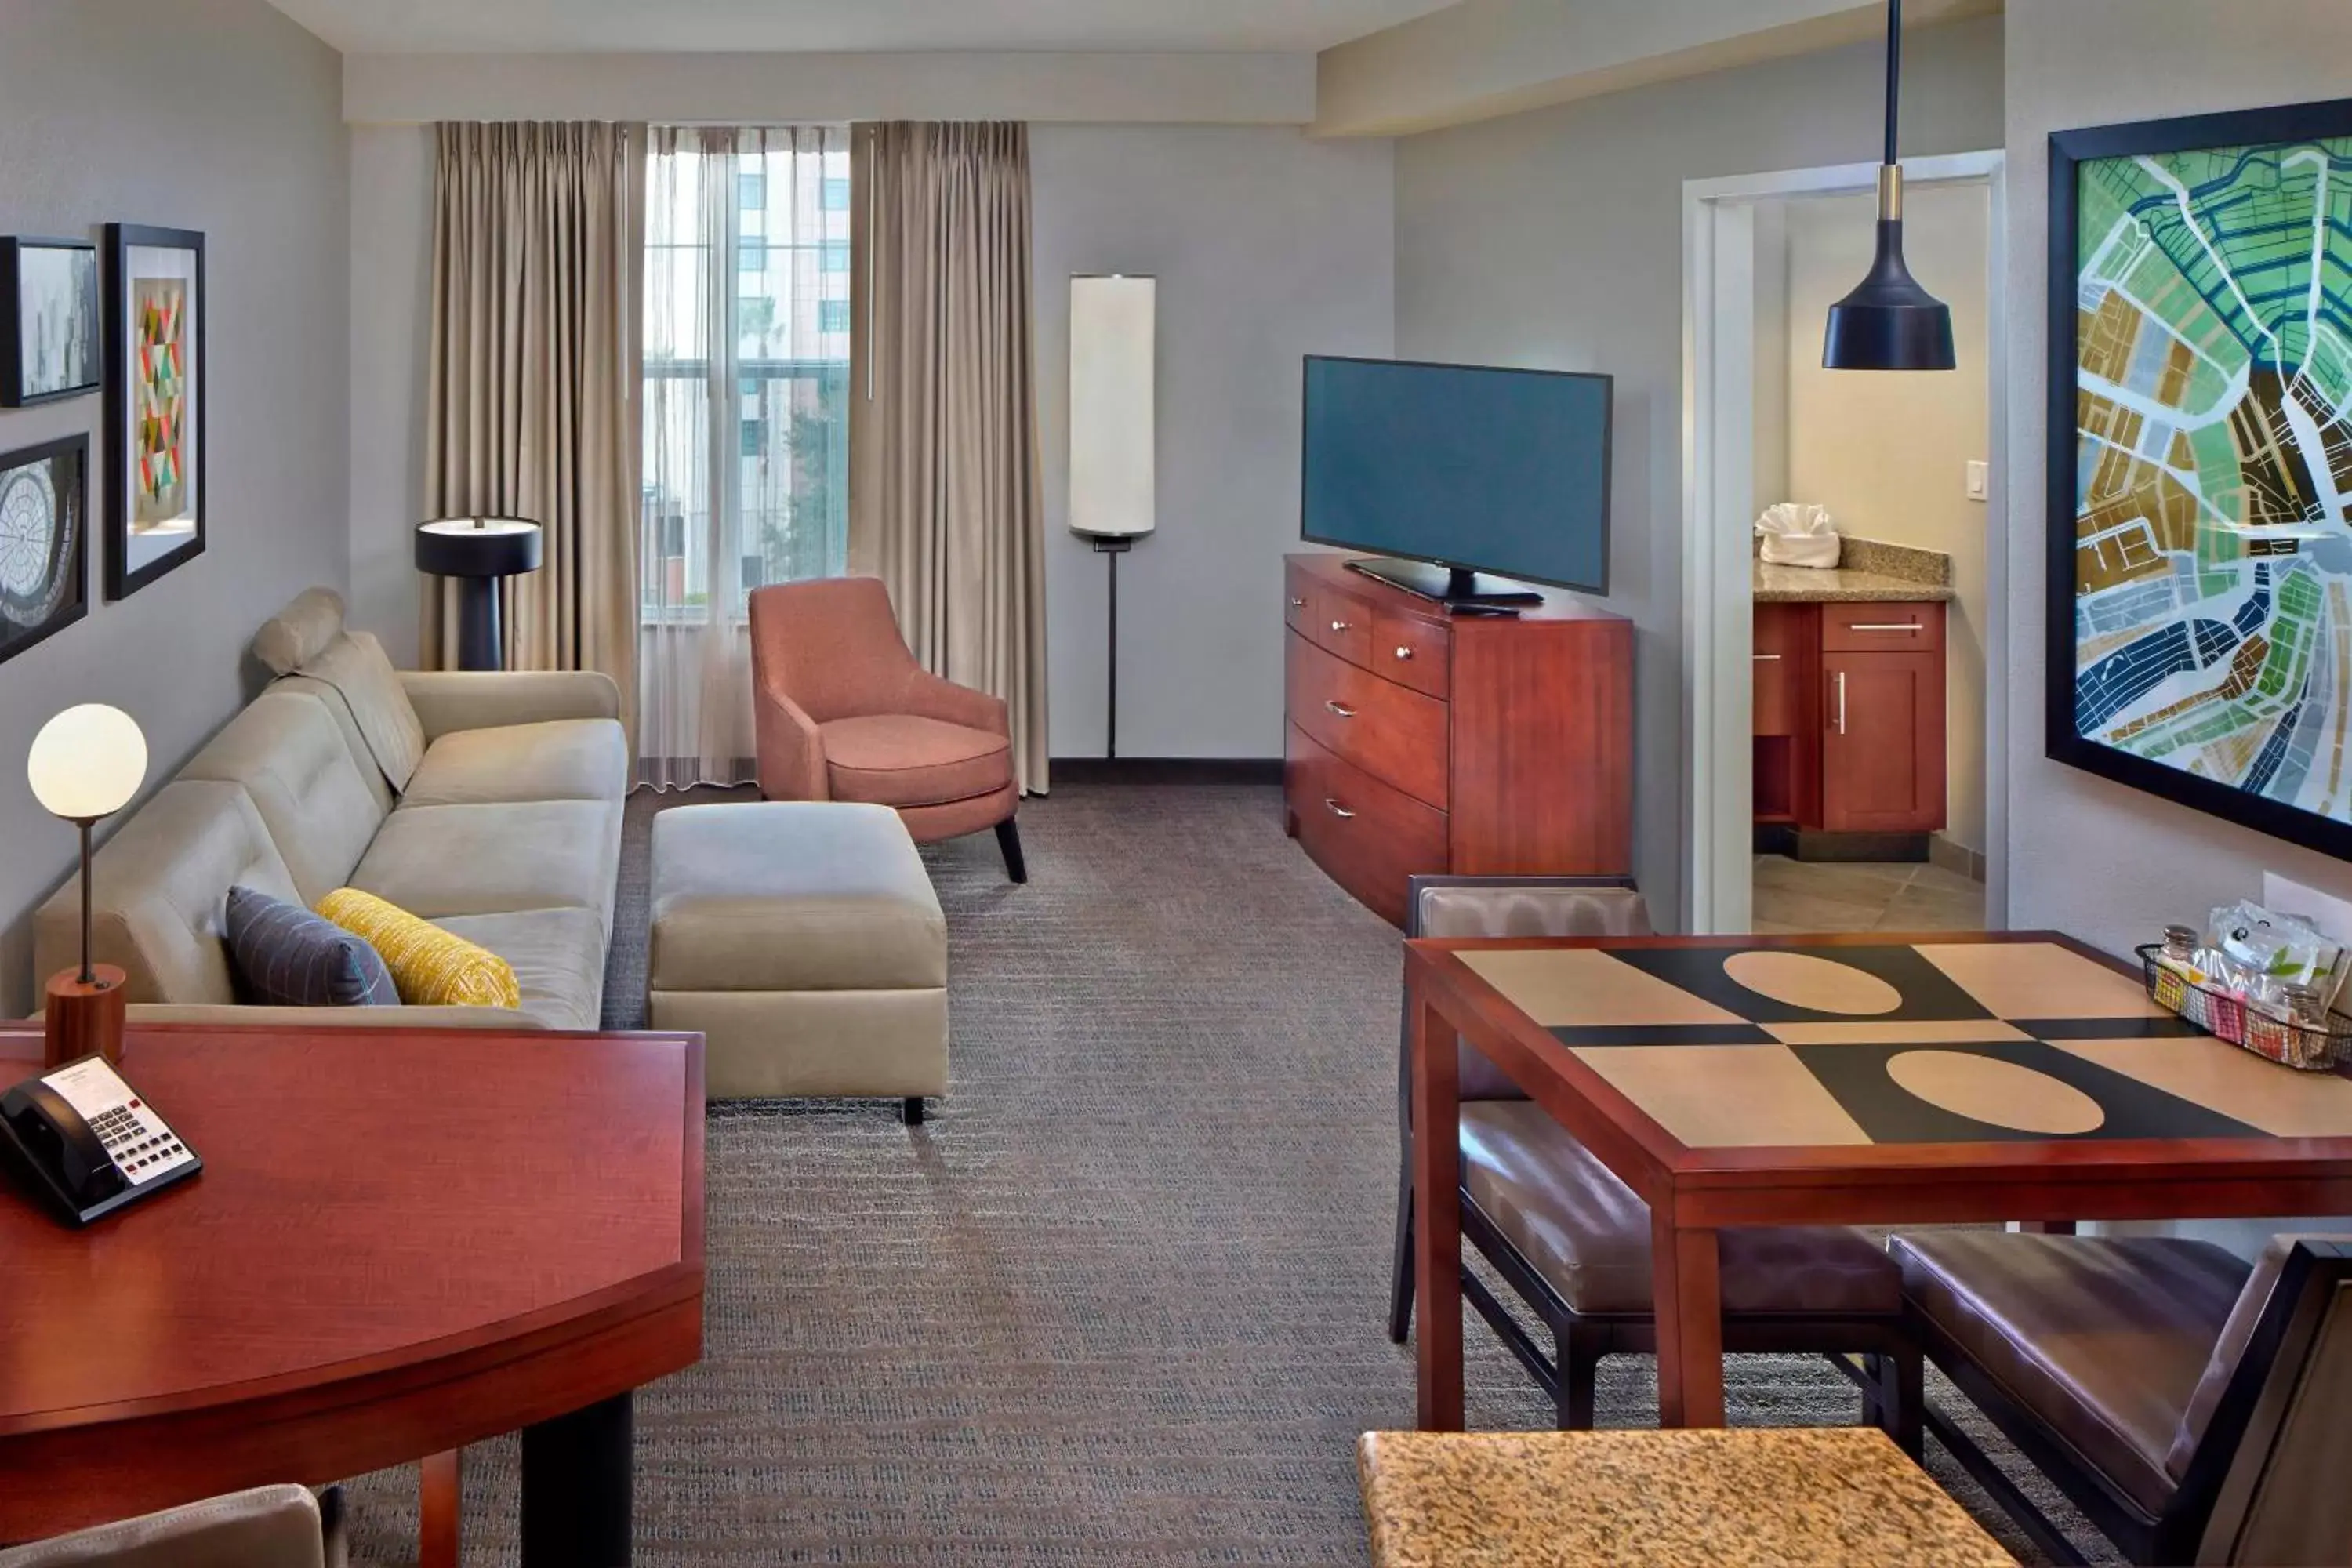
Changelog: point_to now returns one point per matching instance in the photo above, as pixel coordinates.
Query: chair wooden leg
(1401, 1267)
(439, 1498)
(1008, 839)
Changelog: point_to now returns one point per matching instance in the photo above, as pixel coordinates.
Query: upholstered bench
(804, 940)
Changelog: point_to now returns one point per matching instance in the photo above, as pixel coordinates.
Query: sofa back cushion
(287, 751)
(356, 743)
(159, 886)
(356, 665)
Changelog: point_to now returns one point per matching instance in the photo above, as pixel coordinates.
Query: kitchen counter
(1866, 570)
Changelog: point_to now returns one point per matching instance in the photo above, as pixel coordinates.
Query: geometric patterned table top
(1734, 1045)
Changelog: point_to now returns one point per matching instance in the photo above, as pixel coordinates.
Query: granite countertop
(1664, 1499)
(1866, 570)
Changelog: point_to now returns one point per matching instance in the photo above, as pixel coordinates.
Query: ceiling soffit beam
(1482, 59)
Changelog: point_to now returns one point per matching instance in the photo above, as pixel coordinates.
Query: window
(765, 352)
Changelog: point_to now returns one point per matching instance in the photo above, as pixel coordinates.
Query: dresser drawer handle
(1340, 627)
(1336, 809)
(1887, 626)
(1341, 712)
(1768, 658)
(1297, 604)
(1403, 652)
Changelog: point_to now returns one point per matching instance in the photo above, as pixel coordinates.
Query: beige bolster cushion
(300, 632)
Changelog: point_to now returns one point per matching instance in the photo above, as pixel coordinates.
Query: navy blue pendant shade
(1889, 322)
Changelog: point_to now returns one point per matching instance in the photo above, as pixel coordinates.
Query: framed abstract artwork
(2200, 593)
(49, 319)
(44, 541)
(155, 353)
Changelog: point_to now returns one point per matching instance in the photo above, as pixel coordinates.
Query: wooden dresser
(1419, 742)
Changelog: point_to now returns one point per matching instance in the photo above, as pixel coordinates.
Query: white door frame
(1719, 506)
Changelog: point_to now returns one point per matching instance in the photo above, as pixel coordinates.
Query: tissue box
(1797, 534)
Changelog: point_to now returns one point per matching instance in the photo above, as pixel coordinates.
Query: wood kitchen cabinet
(1849, 716)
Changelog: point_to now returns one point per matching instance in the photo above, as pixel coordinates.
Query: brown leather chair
(2196, 1408)
(268, 1526)
(1573, 1240)
(842, 711)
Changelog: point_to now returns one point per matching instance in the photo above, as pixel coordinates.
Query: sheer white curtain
(746, 418)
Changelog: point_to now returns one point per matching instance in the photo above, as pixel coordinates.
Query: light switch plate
(2328, 913)
(1979, 478)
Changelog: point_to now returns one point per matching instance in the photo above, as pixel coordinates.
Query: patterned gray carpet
(1121, 1300)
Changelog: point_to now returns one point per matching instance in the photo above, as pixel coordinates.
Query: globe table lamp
(479, 552)
(85, 765)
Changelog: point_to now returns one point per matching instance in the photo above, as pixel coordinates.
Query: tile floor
(1862, 895)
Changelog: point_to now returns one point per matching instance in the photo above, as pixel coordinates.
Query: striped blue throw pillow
(285, 956)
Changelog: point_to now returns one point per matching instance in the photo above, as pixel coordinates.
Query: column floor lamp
(480, 552)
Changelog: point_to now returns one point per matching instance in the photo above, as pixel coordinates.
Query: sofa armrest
(268, 1526)
(935, 696)
(237, 1015)
(791, 753)
(448, 699)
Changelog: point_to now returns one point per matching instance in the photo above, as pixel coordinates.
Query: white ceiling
(562, 26)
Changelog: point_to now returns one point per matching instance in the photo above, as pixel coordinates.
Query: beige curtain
(944, 498)
(532, 402)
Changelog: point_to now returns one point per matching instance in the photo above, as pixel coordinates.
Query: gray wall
(218, 115)
(1268, 247)
(1554, 239)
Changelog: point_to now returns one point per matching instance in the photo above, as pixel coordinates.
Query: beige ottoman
(804, 940)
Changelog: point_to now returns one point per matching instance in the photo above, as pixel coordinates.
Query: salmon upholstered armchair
(843, 712)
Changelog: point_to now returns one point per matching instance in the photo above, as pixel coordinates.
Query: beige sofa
(487, 804)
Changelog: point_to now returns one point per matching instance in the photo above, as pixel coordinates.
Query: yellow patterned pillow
(430, 967)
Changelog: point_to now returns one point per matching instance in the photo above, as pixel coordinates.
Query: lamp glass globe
(87, 763)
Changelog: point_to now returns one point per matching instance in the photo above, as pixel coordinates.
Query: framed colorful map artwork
(154, 404)
(2201, 464)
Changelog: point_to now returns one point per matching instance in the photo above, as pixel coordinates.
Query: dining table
(1854, 1078)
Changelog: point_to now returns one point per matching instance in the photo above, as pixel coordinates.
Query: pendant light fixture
(1889, 322)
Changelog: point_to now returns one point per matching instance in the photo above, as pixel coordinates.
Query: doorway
(1782, 775)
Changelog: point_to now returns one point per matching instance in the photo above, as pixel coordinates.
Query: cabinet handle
(1768, 658)
(1338, 626)
(1335, 808)
(1841, 701)
(1403, 652)
(1297, 604)
(1342, 712)
(1887, 626)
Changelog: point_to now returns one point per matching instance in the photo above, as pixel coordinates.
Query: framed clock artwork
(44, 541)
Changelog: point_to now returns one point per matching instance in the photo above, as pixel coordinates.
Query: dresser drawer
(1416, 652)
(1368, 837)
(1880, 627)
(1394, 733)
(1339, 623)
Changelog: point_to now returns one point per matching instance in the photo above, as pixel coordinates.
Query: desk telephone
(87, 1143)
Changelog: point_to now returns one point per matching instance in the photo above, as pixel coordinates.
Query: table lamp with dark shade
(85, 765)
(479, 552)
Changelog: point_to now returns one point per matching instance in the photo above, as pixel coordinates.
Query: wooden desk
(1868, 1079)
(402, 1241)
(1660, 1499)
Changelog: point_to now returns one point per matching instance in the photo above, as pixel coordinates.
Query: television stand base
(1453, 587)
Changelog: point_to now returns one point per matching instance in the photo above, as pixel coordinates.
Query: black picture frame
(2070, 151)
(68, 462)
(16, 390)
(133, 560)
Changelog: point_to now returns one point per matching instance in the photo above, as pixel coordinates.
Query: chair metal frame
(1889, 1378)
(2214, 1503)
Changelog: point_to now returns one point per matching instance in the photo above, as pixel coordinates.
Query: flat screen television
(1455, 470)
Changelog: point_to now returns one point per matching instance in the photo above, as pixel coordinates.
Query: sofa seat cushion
(1588, 1233)
(791, 895)
(2103, 1337)
(559, 759)
(902, 758)
(441, 860)
(557, 955)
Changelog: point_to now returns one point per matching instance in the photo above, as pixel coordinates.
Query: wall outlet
(2328, 913)
(1979, 478)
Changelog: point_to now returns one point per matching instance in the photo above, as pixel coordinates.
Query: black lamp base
(481, 639)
